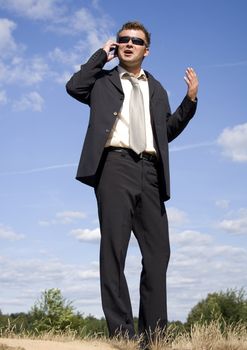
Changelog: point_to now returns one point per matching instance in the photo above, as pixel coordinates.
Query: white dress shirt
(119, 135)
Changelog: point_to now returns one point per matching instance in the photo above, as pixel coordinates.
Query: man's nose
(129, 43)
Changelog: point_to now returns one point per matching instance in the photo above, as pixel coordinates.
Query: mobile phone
(114, 49)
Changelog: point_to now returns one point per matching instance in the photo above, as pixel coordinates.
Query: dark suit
(102, 91)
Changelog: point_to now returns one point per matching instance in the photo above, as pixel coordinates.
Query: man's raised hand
(109, 48)
(192, 83)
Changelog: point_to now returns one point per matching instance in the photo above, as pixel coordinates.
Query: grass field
(201, 337)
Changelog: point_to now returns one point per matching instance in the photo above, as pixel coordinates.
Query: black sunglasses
(134, 39)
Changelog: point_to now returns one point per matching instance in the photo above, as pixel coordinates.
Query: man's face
(130, 54)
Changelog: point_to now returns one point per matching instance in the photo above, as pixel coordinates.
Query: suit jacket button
(107, 130)
(115, 113)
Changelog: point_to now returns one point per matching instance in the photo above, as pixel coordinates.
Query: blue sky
(49, 231)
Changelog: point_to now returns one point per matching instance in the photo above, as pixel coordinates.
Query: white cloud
(234, 142)
(33, 101)
(20, 70)
(189, 237)
(229, 64)
(36, 271)
(22, 281)
(64, 217)
(237, 225)
(86, 235)
(199, 265)
(39, 170)
(14, 67)
(222, 203)
(93, 23)
(87, 21)
(192, 146)
(93, 31)
(28, 71)
(66, 57)
(3, 97)
(73, 56)
(62, 78)
(89, 274)
(34, 9)
(68, 216)
(90, 25)
(176, 216)
(7, 42)
(9, 234)
(83, 21)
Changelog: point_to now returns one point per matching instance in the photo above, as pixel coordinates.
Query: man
(125, 159)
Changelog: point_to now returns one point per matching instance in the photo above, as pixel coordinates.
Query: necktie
(137, 128)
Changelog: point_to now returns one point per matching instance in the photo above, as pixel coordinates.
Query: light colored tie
(137, 129)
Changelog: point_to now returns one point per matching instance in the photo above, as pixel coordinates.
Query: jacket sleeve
(177, 121)
(81, 83)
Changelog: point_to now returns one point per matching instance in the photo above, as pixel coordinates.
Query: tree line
(52, 313)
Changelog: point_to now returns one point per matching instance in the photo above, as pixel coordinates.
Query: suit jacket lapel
(115, 79)
(151, 85)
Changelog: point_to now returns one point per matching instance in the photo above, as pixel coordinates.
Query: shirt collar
(123, 71)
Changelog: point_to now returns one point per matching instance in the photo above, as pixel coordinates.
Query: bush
(52, 312)
(229, 307)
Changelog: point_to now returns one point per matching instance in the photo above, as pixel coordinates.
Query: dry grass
(10, 332)
(205, 337)
(201, 337)
(210, 337)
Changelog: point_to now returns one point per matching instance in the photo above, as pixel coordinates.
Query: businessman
(125, 159)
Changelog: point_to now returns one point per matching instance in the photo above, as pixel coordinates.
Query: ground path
(29, 344)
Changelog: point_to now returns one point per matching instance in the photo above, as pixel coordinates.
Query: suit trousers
(128, 199)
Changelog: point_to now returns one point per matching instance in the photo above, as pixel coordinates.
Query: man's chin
(127, 61)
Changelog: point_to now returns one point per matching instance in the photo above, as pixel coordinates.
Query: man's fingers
(109, 44)
(192, 83)
(190, 73)
(190, 76)
(109, 47)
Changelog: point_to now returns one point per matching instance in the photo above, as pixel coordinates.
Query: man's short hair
(137, 26)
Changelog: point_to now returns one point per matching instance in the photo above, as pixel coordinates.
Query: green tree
(52, 312)
(228, 307)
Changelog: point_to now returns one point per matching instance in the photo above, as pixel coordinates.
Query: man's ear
(146, 53)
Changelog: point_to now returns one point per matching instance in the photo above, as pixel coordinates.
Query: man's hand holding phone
(110, 48)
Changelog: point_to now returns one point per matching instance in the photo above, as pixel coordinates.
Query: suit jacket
(102, 91)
